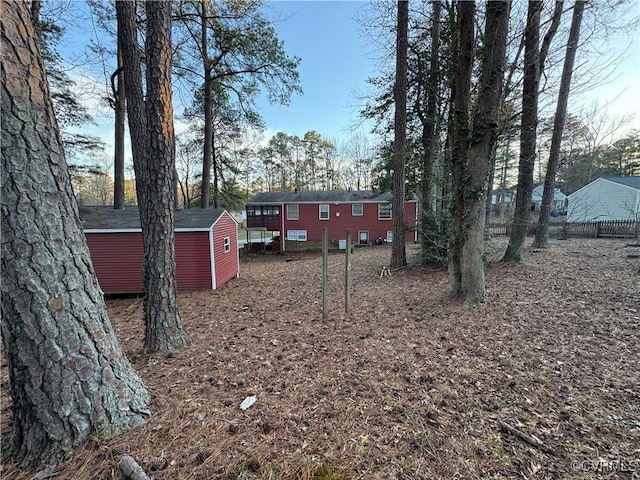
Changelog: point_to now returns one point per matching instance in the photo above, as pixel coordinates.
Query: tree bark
(463, 54)
(69, 378)
(528, 132)
(483, 137)
(398, 247)
(207, 152)
(153, 148)
(120, 119)
(428, 134)
(542, 233)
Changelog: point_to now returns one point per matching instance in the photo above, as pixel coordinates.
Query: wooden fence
(602, 229)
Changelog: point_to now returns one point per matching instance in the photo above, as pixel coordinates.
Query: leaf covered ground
(408, 385)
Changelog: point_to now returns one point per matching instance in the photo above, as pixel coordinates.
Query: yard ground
(408, 385)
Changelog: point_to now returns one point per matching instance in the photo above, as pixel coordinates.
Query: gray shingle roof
(322, 196)
(129, 219)
(628, 181)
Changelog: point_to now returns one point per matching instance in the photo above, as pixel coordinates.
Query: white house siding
(603, 199)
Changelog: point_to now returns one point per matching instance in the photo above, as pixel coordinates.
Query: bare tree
(542, 233)
(69, 379)
(528, 134)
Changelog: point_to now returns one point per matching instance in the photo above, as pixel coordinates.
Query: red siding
(193, 261)
(118, 257)
(337, 225)
(226, 263)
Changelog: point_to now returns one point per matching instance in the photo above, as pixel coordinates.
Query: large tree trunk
(484, 133)
(542, 233)
(69, 379)
(462, 60)
(120, 118)
(529, 125)
(153, 147)
(398, 248)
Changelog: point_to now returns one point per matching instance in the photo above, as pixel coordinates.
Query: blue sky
(336, 61)
(335, 65)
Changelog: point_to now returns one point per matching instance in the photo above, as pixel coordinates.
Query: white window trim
(291, 217)
(390, 212)
(320, 211)
(297, 235)
(353, 213)
(227, 244)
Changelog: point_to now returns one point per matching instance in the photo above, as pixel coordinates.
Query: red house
(301, 216)
(206, 246)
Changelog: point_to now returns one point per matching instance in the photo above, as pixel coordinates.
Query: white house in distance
(606, 198)
(559, 198)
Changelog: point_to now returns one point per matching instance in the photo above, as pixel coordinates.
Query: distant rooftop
(628, 181)
(321, 196)
(129, 219)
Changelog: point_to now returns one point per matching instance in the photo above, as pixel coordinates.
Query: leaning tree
(69, 378)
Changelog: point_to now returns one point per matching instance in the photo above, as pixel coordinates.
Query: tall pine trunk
(207, 153)
(528, 134)
(69, 378)
(542, 233)
(398, 247)
(153, 147)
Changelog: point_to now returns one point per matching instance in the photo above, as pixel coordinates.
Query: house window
(357, 210)
(227, 244)
(384, 211)
(389, 236)
(297, 235)
(324, 212)
(292, 212)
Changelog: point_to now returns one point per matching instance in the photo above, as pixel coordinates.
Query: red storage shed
(206, 246)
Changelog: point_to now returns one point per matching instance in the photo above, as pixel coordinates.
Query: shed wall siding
(193, 264)
(118, 258)
(603, 200)
(227, 263)
(341, 219)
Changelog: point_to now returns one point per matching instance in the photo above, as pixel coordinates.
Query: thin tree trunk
(69, 378)
(216, 173)
(205, 187)
(428, 132)
(120, 118)
(529, 124)
(398, 248)
(542, 233)
(485, 125)
(463, 54)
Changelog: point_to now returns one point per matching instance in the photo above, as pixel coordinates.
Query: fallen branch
(534, 442)
(50, 471)
(131, 469)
